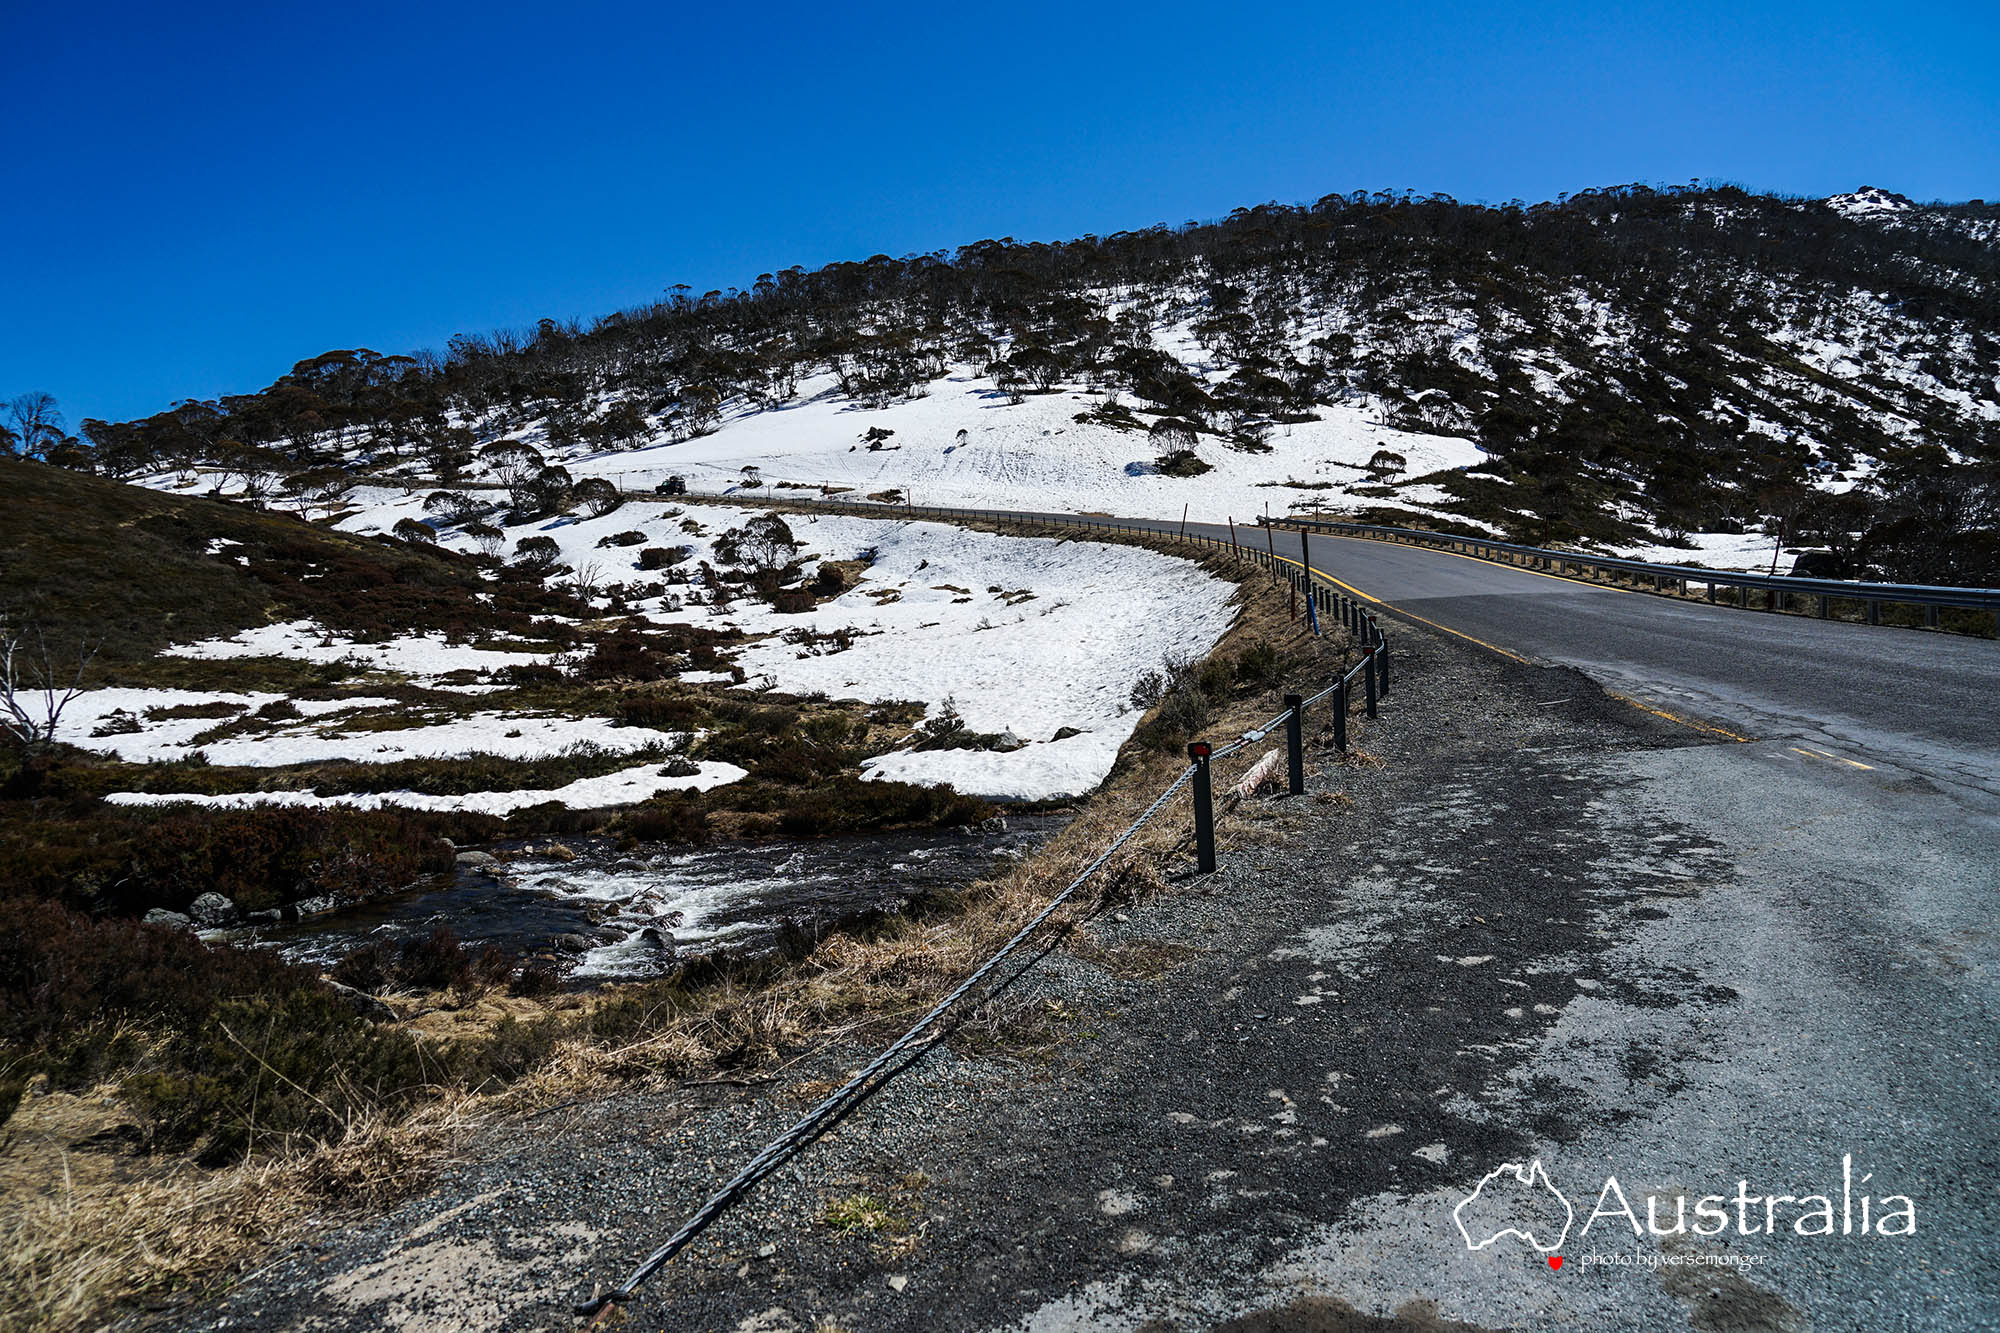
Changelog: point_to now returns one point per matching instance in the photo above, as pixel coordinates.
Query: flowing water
(603, 914)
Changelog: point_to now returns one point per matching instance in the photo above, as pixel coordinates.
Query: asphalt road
(1919, 698)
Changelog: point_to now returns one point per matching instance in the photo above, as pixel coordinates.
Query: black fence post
(1204, 809)
(1340, 716)
(1295, 742)
(1368, 674)
(1384, 643)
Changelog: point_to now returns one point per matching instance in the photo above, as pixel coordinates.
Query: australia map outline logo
(1533, 1178)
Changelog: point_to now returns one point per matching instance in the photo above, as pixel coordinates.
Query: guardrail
(1780, 592)
(1310, 596)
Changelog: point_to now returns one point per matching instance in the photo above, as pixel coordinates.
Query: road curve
(1922, 700)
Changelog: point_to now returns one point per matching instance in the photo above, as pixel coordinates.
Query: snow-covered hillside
(964, 443)
(1041, 639)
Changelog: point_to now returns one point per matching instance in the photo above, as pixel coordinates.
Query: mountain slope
(1623, 366)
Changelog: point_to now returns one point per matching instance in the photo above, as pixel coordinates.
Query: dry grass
(79, 1247)
(70, 1251)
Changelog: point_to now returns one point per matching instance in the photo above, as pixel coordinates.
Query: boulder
(361, 1002)
(269, 917)
(1006, 743)
(160, 916)
(212, 909)
(478, 859)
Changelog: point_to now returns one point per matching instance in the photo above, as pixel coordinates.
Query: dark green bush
(677, 817)
(129, 863)
(663, 557)
(1260, 664)
(536, 977)
(664, 712)
(848, 804)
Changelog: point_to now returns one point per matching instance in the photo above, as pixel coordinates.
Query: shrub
(129, 863)
(1148, 689)
(678, 817)
(1260, 664)
(436, 961)
(844, 803)
(666, 713)
(237, 1046)
(625, 655)
(828, 581)
(193, 712)
(663, 557)
(791, 603)
(1178, 693)
(600, 497)
(1181, 463)
(537, 555)
(371, 968)
(632, 538)
(536, 977)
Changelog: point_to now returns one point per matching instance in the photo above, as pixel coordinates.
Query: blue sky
(197, 199)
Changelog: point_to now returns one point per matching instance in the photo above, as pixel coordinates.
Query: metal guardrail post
(1204, 809)
(1340, 716)
(1368, 675)
(1295, 742)
(1382, 646)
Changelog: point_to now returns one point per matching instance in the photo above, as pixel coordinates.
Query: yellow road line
(1490, 647)
(1676, 717)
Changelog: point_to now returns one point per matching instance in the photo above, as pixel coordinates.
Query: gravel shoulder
(1544, 924)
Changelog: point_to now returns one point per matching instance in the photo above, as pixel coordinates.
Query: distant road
(1923, 700)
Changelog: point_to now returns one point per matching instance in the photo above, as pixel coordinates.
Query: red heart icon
(1556, 1261)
